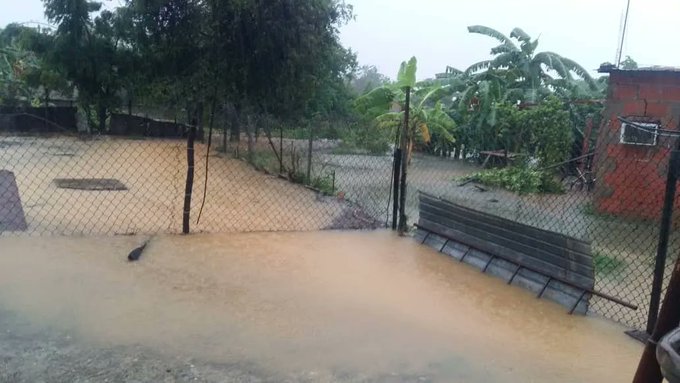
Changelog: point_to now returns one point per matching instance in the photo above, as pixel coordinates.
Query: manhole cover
(89, 184)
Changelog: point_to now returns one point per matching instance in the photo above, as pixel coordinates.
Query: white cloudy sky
(387, 32)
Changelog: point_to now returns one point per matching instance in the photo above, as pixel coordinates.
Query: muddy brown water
(363, 302)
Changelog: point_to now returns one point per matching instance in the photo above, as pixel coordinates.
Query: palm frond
(504, 48)
(453, 71)
(380, 98)
(580, 71)
(554, 62)
(503, 60)
(486, 31)
(478, 67)
(406, 78)
(428, 94)
(520, 35)
(389, 120)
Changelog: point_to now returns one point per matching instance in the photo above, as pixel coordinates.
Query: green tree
(428, 119)
(366, 79)
(534, 74)
(18, 65)
(86, 52)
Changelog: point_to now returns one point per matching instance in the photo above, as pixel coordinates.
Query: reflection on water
(368, 303)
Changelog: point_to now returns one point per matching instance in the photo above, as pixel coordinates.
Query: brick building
(631, 163)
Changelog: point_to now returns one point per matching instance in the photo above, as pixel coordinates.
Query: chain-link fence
(132, 180)
(612, 197)
(269, 177)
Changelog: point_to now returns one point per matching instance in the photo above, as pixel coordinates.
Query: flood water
(359, 302)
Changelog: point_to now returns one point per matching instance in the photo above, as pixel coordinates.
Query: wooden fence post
(190, 178)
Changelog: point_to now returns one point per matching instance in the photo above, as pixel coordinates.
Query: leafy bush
(551, 132)
(518, 179)
(362, 138)
(324, 184)
(607, 265)
(543, 131)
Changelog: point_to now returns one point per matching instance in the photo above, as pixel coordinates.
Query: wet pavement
(271, 307)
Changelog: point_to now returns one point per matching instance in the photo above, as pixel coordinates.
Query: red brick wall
(631, 178)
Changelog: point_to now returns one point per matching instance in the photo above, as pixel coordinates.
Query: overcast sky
(387, 32)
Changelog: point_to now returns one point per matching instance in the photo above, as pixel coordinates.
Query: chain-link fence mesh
(269, 177)
(132, 180)
(69, 184)
(613, 198)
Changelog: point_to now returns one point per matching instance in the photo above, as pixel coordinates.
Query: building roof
(610, 68)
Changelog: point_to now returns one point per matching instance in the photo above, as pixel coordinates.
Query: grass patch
(268, 162)
(590, 210)
(265, 161)
(607, 265)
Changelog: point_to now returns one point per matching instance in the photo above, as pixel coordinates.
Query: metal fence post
(648, 370)
(396, 177)
(404, 162)
(309, 153)
(280, 148)
(664, 232)
(190, 179)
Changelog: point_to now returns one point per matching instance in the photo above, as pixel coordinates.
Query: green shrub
(265, 160)
(324, 184)
(518, 179)
(362, 139)
(607, 265)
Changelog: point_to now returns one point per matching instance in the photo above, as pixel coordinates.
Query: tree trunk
(47, 105)
(199, 121)
(225, 126)
(258, 121)
(251, 141)
(101, 114)
(235, 134)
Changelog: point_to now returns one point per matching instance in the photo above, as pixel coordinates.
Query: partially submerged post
(191, 136)
(309, 153)
(648, 370)
(664, 233)
(395, 187)
(404, 162)
(669, 316)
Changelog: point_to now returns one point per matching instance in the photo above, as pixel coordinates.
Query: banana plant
(534, 73)
(428, 119)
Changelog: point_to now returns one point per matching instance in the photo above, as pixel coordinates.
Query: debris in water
(136, 253)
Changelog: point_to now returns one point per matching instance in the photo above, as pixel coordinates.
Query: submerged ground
(283, 307)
